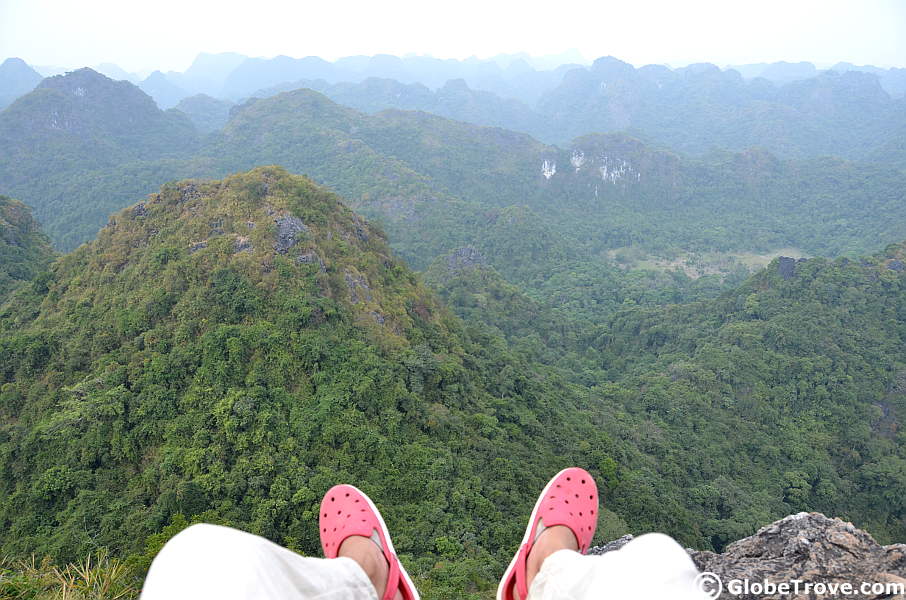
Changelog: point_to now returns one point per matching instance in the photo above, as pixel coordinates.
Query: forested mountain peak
(831, 92)
(88, 86)
(708, 70)
(90, 107)
(263, 226)
(293, 106)
(611, 66)
(206, 113)
(69, 132)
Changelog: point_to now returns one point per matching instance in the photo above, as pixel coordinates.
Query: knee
(661, 548)
(202, 556)
(213, 547)
(195, 538)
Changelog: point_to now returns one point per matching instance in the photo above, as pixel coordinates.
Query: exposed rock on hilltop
(465, 258)
(808, 547)
(786, 266)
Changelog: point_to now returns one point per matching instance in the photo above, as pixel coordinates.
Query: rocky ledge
(809, 548)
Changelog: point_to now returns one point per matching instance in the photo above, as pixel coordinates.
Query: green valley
(226, 350)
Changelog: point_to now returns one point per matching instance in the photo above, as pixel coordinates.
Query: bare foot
(369, 556)
(552, 539)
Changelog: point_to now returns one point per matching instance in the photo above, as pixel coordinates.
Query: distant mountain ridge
(794, 110)
(699, 108)
(165, 93)
(454, 100)
(401, 166)
(694, 109)
(517, 80)
(16, 79)
(893, 80)
(206, 113)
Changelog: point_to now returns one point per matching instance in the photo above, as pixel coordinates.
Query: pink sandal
(570, 499)
(346, 511)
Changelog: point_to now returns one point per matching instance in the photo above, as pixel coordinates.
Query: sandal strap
(393, 576)
(521, 580)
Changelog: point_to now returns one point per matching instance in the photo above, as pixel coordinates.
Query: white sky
(167, 34)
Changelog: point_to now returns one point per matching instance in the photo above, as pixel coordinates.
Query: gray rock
(611, 546)
(139, 210)
(289, 231)
(311, 258)
(811, 548)
(358, 287)
(241, 244)
(786, 267)
(189, 192)
(359, 230)
(464, 258)
(196, 246)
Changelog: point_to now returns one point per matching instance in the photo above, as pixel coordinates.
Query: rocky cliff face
(827, 554)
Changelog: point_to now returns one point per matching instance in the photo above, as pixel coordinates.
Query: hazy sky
(167, 34)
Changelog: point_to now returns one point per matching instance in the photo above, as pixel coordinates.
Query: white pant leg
(220, 563)
(652, 566)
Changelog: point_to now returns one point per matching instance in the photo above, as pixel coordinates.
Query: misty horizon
(545, 62)
(56, 33)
